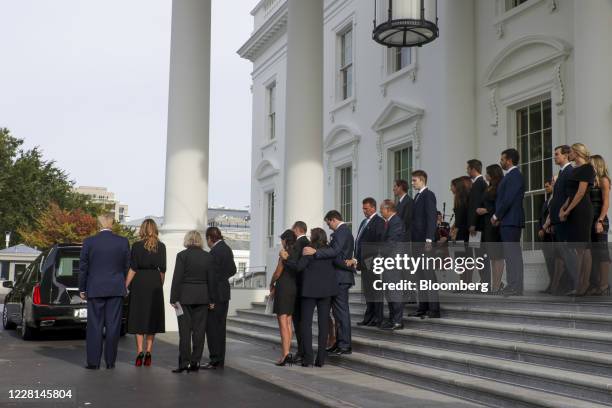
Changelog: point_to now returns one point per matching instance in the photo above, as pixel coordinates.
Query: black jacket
(319, 277)
(225, 268)
(560, 194)
(194, 281)
(424, 217)
(404, 210)
(475, 200)
(340, 249)
(395, 230)
(372, 233)
(295, 256)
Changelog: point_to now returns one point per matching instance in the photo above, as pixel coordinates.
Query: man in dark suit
(225, 268)
(105, 261)
(564, 259)
(370, 232)
(509, 215)
(299, 228)
(404, 204)
(475, 221)
(341, 250)
(394, 234)
(423, 232)
(546, 236)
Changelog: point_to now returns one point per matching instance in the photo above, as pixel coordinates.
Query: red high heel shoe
(139, 359)
(147, 360)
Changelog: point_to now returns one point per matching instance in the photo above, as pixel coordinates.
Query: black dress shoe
(318, 364)
(433, 315)
(305, 364)
(341, 351)
(363, 323)
(92, 367)
(418, 313)
(181, 370)
(332, 349)
(297, 359)
(110, 366)
(394, 326)
(373, 324)
(194, 367)
(212, 366)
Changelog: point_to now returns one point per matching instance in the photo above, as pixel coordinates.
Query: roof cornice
(271, 29)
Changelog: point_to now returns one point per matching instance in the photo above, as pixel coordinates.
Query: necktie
(416, 197)
(361, 227)
(386, 224)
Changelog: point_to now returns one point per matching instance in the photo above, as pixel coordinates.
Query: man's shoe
(212, 366)
(297, 359)
(92, 367)
(418, 313)
(363, 323)
(433, 315)
(394, 326)
(373, 324)
(110, 366)
(181, 370)
(194, 367)
(332, 349)
(341, 351)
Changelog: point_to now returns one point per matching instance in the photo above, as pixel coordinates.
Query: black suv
(46, 295)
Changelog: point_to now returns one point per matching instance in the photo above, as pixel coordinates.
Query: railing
(247, 278)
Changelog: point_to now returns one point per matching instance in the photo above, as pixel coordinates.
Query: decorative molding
(271, 29)
(552, 5)
(559, 50)
(499, 30)
(559, 87)
(266, 170)
(494, 110)
(341, 138)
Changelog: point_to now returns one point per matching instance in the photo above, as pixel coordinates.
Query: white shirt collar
(303, 235)
(509, 170)
(569, 163)
(421, 190)
(213, 245)
(402, 197)
(339, 224)
(106, 229)
(391, 217)
(476, 178)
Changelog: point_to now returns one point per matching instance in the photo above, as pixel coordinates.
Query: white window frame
(391, 152)
(270, 197)
(343, 29)
(339, 193)
(271, 104)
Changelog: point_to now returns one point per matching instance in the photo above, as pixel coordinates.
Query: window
(271, 115)
(4, 270)
(510, 4)
(241, 267)
(19, 269)
(399, 58)
(402, 166)
(270, 218)
(346, 64)
(534, 141)
(346, 194)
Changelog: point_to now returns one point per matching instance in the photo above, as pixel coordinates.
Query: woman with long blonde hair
(578, 212)
(600, 198)
(145, 282)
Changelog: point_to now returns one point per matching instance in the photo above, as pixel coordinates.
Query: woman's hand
(599, 228)
(481, 211)
(284, 254)
(563, 213)
(173, 305)
(211, 306)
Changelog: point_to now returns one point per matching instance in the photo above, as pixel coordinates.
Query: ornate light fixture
(405, 23)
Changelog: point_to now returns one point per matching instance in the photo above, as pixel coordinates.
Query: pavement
(56, 360)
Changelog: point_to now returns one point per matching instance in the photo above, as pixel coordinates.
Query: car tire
(5, 321)
(27, 333)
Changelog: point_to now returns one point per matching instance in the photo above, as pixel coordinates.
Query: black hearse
(46, 295)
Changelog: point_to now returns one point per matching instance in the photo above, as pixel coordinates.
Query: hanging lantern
(405, 23)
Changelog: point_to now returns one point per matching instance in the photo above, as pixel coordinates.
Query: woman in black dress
(460, 187)
(145, 282)
(578, 212)
(490, 235)
(284, 290)
(600, 198)
(319, 284)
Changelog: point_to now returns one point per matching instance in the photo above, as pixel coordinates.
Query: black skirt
(146, 311)
(285, 294)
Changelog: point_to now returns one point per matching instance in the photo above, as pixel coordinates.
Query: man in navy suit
(404, 204)
(394, 234)
(509, 215)
(475, 221)
(341, 250)
(105, 261)
(370, 232)
(423, 231)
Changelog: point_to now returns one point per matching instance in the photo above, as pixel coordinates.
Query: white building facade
(529, 74)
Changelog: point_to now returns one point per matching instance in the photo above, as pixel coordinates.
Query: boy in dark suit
(475, 221)
(510, 216)
(104, 263)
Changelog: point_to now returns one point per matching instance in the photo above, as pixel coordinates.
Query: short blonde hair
(581, 151)
(193, 239)
(106, 220)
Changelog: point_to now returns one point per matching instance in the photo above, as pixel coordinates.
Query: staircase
(524, 351)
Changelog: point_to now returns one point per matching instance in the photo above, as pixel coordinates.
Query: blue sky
(87, 81)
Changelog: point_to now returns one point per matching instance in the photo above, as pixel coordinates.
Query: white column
(303, 182)
(186, 197)
(593, 68)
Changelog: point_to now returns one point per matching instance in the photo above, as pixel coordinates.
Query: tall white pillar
(303, 182)
(186, 197)
(593, 67)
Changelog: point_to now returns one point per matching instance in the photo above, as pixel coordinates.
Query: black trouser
(103, 326)
(396, 312)
(342, 315)
(513, 255)
(297, 323)
(323, 306)
(428, 299)
(192, 333)
(215, 332)
(374, 312)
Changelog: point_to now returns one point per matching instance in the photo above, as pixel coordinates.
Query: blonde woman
(578, 211)
(600, 198)
(145, 281)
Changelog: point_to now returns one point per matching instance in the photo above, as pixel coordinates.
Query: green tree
(29, 184)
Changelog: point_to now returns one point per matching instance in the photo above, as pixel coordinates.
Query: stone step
(562, 304)
(482, 390)
(586, 340)
(581, 385)
(568, 320)
(557, 357)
